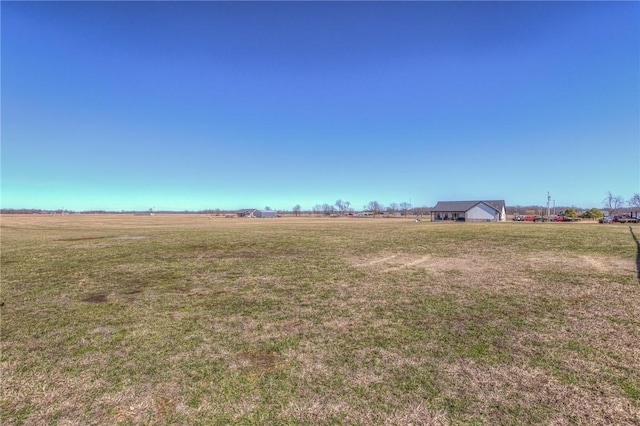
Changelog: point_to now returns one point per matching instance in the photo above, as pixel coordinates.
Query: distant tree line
(28, 211)
(374, 208)
(612, 204)
(66, 211)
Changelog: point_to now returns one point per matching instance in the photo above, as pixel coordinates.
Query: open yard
(182, 319)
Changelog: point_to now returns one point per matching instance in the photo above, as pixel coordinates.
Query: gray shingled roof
(463, 206)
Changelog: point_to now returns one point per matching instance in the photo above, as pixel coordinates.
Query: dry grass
(187, 320)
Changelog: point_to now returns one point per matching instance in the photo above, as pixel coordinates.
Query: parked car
(561, 218)
(624, 218)
(605, 219)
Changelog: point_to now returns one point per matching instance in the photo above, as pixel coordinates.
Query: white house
(470, 211)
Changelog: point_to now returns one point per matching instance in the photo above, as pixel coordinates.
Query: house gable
(481, 212)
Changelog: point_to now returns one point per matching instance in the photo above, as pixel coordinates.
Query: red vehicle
(561, 218)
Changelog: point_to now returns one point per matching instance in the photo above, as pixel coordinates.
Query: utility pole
(548, 200)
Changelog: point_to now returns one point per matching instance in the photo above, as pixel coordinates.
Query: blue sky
(198, 105)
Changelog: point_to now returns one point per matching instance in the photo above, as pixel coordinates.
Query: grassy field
(191, 320)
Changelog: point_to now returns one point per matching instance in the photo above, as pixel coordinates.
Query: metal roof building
(265, 213)
(257, 213)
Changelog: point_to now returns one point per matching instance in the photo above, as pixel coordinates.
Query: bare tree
(374, 206)
(635, 200)
(328, 209)
(421, 211)
(296, 210)
(393, 207)
(343, 206)
(612, 203)
(317, 209)
(405, 207)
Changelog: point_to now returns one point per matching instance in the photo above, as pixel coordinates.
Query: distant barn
(245, 212)
(265, 213)
(256, 213)
(470, 211)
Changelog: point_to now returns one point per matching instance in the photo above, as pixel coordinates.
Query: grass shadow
(637, 251)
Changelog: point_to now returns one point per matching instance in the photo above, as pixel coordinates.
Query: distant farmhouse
(470, 211)
(265, 213)
(257, 213)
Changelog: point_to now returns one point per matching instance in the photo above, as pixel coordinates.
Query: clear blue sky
(226, 105)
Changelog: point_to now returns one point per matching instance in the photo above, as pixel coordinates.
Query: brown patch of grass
(165, 408)
(259, 360)
(81, 239)
(96, 298)
(417, 413)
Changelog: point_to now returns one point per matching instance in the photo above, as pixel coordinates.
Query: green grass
(190, 320)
